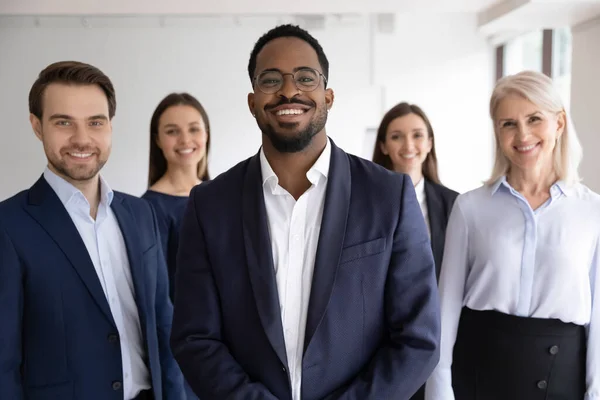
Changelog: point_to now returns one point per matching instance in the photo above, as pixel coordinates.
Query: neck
(90, 189)
(291, 168)
(416, 176)
(182, 178)
(532, 182)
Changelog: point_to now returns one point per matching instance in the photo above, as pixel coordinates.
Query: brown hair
(74, 73)
(430, 170)
(158, 162)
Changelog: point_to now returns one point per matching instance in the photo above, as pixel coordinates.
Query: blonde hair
(538, 89)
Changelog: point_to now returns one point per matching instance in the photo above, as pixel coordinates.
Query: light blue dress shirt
(502, 255)
(105, 245)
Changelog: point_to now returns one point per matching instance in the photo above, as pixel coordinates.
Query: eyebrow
(294, 70)
(98, 117)
(177, 126)
(412, 130)
(70, 118)
(527, 116)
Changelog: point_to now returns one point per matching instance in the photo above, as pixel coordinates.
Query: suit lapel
(130, 234)
(434, 210)
(45, 206)
(331, 239)
(259, 256)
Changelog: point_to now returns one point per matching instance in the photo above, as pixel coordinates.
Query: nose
(407, 144)
(80, 136)
(185, 137)
(288, 87)
(523, 130)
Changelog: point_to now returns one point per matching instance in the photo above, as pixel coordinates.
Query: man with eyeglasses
(304, 273)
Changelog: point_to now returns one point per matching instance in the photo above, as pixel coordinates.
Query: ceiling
(186, 7)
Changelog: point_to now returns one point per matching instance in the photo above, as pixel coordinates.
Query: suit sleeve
(172, 378)
(410, 353)
(196, 339)
(11, 310)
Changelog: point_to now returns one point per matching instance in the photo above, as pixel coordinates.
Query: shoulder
(373, 175)
(222, 186)
(444, 191)
(474, 199)
(13, 202)
(137, 205)
(585, 198)
(11, 209)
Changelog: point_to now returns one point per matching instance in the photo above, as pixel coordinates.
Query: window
(524, 53)
(561, 63)
(547, 51)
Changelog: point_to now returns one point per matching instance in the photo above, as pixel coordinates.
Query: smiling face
(290, 117)
(407, 143)
(75, 130)
(182, 136)
(526, 133)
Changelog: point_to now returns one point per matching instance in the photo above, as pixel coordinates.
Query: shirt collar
(420, 189)
(318, 172)
(559, 187)
(67, 193)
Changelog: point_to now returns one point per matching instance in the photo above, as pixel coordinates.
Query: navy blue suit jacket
(58, 339)
(373, 325)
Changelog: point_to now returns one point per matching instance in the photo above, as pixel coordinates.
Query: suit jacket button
(553, 350)
(542, 385)
(116, 385)
(112, 338)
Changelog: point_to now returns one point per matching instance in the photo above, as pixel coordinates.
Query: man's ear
(329, 97)
(251, 104)
(36, 125)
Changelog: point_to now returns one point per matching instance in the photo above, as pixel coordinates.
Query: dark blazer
(439, 201)
(373, 324)
(58, 339)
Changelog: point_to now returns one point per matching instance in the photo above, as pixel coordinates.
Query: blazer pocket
(362, 250)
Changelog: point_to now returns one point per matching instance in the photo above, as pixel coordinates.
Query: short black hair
(287, 30)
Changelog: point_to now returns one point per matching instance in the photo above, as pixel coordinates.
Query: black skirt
(503, 357)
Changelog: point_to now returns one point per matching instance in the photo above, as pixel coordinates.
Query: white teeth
(526, 148)
(81, 155)
(185, 151)
(290, 111)
(408, 156)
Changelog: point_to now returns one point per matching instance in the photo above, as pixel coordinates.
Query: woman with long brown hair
(179, 145)
(405, 144)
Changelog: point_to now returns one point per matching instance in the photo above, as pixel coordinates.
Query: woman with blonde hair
(519, 304)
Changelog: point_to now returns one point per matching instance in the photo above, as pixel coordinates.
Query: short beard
(77, 174)
(301, 140)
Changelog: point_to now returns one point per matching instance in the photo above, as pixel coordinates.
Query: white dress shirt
(294, 228)
(420, 191)
(105, 245)
(501, 255)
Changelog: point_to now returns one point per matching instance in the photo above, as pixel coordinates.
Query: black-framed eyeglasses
(306, 80)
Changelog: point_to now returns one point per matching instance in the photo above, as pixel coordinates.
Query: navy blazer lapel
(45, 206)
(130, 234)
(434, 211)
(260, 257)
(331, 239)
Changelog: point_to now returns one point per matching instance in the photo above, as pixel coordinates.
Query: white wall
(436, 61)
(585, 97)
